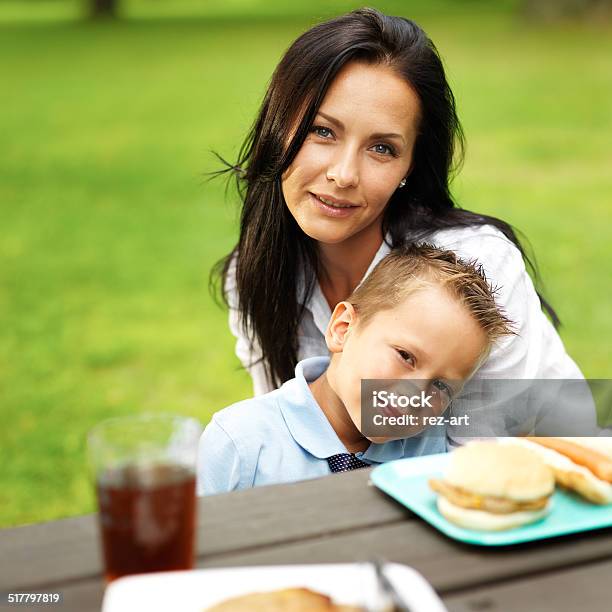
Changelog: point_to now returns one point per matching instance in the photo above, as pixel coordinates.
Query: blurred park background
(108, 230)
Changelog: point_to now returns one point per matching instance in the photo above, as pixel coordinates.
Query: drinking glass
(144, 469)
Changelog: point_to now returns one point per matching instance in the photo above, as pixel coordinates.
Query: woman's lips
(332, 211)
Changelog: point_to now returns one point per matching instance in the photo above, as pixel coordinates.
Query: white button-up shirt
(535, 352)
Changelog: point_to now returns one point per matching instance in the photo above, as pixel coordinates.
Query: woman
(351, 154)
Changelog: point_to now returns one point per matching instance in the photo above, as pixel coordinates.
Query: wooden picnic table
(340, 518)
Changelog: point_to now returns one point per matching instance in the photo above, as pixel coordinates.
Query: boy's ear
(342, 320)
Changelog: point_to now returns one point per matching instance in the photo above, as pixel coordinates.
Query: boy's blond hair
(412, 267)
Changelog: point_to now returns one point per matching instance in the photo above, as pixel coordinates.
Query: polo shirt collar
(309, 426)
(304, 418)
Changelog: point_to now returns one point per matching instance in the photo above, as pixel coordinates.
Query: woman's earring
(402, 183)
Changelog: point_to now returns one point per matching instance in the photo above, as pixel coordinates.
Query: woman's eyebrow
(377, 135)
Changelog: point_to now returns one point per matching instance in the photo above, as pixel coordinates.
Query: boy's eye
(441, 386)
(319, 130)
(406, 356)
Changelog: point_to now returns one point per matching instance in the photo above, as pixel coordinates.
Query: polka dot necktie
(345, 462)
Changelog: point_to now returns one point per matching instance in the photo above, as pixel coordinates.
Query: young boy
(421, 315)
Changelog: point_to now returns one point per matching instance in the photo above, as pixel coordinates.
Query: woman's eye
(319, 130)
(384, 149)
(406, 356)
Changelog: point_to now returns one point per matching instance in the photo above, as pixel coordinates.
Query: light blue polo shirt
(284, 436)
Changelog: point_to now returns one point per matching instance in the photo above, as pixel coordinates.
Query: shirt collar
(309, 426)
(383, 250)
(304, 418)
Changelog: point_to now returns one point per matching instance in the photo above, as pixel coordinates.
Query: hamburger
(582, 465)
(491, 487)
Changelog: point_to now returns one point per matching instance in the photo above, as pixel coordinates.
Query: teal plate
(406, 481)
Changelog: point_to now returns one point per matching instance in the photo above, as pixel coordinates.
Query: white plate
(193, 591)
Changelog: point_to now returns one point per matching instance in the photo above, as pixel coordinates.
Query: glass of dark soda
(144, 468)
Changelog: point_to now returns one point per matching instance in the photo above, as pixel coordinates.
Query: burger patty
(488, 503)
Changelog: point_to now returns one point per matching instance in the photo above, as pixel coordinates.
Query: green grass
(108, 230)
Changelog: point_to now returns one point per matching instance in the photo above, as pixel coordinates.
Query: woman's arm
(522, 363)
(536, 351)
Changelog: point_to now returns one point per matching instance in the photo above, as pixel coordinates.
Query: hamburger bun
(492, 469)
(482, 520)
(490, 486)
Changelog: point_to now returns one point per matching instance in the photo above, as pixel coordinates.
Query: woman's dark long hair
(272, 248)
